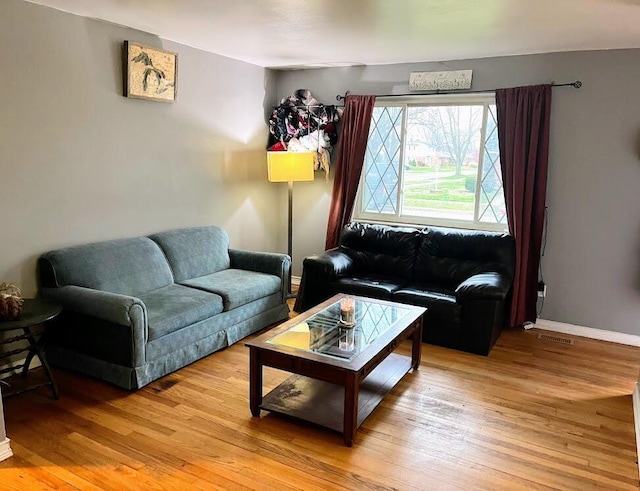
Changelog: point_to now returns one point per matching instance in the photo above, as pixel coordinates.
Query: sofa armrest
(484, 300)
(318, 271)
(112, 307)
(109, 309)
(261, 262)
(484, 286)
(330, 265)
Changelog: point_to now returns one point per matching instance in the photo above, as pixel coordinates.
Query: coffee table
(341, 373)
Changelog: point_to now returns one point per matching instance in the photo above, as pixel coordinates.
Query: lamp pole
(290, 236)
(290, 244)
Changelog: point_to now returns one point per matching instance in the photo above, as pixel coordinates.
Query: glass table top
(323, 333)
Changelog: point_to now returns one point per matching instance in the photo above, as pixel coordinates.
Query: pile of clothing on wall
(301, 124)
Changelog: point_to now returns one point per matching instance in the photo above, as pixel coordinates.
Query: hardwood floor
(534, 414)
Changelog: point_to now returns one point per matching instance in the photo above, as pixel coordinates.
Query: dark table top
(34, 311)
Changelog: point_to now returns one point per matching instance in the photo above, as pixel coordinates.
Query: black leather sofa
(462, 277)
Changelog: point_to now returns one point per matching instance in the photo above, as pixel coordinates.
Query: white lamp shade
(290, 166)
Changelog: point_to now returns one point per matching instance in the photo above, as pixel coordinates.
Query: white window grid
(486, 100)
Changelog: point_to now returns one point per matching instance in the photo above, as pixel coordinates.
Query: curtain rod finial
(577, 84)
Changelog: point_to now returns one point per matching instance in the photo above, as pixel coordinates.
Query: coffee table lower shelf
(322, 403)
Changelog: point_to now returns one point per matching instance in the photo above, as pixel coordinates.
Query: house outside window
(433, 160)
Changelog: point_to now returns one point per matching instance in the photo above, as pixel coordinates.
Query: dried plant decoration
(10, 301)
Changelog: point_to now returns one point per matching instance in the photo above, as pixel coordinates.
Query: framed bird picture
(150, 73)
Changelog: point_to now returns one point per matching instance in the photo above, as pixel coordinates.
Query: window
(433, 161)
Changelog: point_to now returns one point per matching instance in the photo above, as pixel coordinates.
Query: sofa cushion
(381, 249)
(126, 266)
(195, 252)
(175, 306)
(440, 302)
(442, 319)
(237, 287)
(368, 286)
(447, 256)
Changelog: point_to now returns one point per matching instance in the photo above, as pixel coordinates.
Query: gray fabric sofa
(137, 309)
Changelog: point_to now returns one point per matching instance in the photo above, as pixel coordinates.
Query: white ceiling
(307, 33)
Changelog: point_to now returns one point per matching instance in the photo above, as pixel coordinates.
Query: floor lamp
(290, 167)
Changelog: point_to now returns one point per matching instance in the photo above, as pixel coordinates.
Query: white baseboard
(295, 280)
(5, 450)
(589, 332)
(636, 419)
(35, 363)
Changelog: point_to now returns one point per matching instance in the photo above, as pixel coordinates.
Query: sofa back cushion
(195, 252)
(381, 249)
(125, 266)
(450, 256)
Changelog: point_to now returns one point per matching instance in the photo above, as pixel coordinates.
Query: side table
(35, 313)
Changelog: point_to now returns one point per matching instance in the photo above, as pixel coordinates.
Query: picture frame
(150, 73)
(432, 81)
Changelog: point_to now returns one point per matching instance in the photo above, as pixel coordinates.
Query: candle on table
(347, 310)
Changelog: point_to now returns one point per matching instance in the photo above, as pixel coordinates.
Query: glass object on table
(324, 332)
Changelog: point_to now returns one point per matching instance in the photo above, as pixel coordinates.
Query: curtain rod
(576, 85)
(305, 106)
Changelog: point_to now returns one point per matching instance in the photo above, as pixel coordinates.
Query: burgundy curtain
(523, 135)
(352, 140)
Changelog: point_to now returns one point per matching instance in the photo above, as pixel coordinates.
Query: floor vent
(555, 339)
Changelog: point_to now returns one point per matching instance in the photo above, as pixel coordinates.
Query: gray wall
(79, 162)
(592, 258)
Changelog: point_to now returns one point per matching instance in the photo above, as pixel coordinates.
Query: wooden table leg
(350, 424)
(37, 351)
(255, 382)
(416, 346)
(27, 362)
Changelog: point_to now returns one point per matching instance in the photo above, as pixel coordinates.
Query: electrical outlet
(542, 289)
